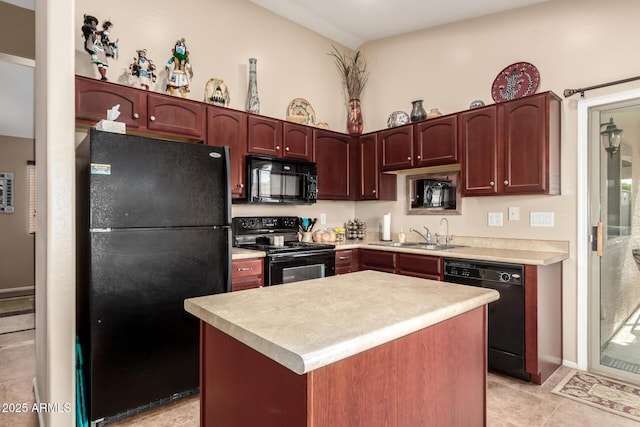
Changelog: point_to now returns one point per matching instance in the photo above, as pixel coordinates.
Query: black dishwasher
(506, 339)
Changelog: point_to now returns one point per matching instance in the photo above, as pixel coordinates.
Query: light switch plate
(495, 219)
(541, 219)
(323, 218)
(514, 213)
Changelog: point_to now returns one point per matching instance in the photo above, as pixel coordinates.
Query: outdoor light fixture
(611, 137)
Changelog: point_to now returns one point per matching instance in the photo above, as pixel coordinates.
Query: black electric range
(287, 260)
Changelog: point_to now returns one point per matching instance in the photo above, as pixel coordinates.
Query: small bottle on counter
(401, 236)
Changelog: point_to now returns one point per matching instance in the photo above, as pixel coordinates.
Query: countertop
(310, 324)
(516, 251)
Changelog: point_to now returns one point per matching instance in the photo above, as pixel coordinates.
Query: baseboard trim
(570, 364)
(23, 291)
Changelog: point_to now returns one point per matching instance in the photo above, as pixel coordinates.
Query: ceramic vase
(253, 103)
(354, 117)
(418, 112)
(434, 112)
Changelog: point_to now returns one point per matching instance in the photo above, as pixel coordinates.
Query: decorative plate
(397, 118)
(301, 107)
(516, 81)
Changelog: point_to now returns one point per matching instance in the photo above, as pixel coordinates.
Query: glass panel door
(615, 218)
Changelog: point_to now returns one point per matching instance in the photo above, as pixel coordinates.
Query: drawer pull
(342, 258)
(152, 118)
(244, 269)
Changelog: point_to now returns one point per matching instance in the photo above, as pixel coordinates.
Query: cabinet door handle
(419, 157)
(286, 148)
(152, 118)
(136, 115)
(506, 182)
(492, 183)
(277, 147)
(408, 158)
(240, 185)
(244, 268)
(374, 191)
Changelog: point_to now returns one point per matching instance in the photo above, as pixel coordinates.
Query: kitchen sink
(396, 244)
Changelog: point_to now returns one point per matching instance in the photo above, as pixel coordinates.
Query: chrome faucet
(448, 237)
(426, 237)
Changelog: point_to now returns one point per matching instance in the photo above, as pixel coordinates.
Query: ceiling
(354, 22)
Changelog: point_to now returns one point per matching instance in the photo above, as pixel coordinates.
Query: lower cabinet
(377, 260)
(425, 266)
(346, 261)
(247, 274)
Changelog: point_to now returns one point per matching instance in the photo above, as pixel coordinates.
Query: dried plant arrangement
(353, 70)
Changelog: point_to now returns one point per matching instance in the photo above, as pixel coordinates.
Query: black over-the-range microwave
(273, 180)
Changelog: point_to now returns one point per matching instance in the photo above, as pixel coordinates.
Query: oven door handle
(279, 257)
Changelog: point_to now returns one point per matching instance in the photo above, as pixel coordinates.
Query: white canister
(386, 227)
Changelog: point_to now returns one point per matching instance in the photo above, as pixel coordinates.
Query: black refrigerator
(153, 228)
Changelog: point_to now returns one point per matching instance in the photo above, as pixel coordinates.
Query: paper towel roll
(386, 227)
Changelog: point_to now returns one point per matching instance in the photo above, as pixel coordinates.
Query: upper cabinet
(140, 110)
(297, 141)
(264, 136)
(479, 132)
(431, 142)
(333, 154)
(94, 98)
(374, 185)
(396, 147)
(512, 148)
(274, 138)
(176, 116)
(226, 127)
(436, 141)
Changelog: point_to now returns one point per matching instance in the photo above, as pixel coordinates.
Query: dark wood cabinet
(333, 154)
(512, 148)
(297, 141)
(396, 148)
(437, 142)
(346, 261)
(226, 127)
(374, 185)
(425, 266)
(94, 98)
(377, 260)
(406, 264)
(176, 116)
(247, 274)
(141, 111)
(264, 136)
(531, 145)
(479, 131)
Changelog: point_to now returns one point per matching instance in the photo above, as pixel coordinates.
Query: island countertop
(311, 324)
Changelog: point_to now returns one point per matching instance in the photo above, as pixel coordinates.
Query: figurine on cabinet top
(98, 45)
(143, 69)
(179, 69)
(216, 92)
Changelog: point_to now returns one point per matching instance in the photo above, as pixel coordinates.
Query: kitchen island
(361, 349)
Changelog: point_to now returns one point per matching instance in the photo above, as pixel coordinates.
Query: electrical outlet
(514, 213)
(541, 219)
(495, 219)
(323, 218)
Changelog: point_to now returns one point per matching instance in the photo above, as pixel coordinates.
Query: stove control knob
(505, 277)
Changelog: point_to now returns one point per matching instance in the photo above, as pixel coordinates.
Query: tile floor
(510, 402)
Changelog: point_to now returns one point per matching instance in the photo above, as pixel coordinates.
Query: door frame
(583, 224)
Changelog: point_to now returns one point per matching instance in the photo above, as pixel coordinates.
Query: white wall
(17, 263)
(571, 43)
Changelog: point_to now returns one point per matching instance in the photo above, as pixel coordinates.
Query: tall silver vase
(253, 103)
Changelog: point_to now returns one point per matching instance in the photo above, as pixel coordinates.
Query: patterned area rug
(599, 392)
